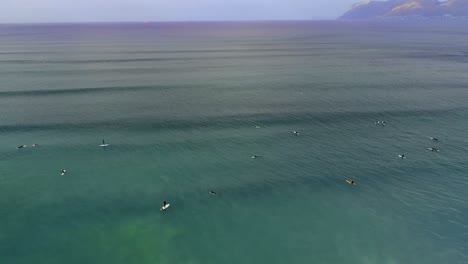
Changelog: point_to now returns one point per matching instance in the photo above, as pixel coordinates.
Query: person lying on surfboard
(351, 182)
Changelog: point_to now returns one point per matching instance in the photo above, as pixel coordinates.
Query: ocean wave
(46, 61)
(305, 87)
(226, 121)
(47, 92)
(201, 51)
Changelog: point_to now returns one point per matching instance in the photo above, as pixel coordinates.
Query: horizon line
(171, 21)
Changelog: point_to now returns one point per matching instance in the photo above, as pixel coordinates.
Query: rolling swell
(140, 204)
(198, 51)
(233, 120)
(38, 61)
(178, 145)
(120, 70)
(306, 86)
(74, 91)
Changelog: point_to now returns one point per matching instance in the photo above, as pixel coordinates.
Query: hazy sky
(13, 11)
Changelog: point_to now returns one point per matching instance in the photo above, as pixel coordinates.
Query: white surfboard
(104, 144)
(165, 207)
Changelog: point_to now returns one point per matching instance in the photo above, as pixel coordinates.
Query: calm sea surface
(186, 105)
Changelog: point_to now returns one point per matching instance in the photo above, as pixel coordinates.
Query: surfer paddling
(350, 182)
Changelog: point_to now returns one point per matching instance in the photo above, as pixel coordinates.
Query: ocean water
(180, 104)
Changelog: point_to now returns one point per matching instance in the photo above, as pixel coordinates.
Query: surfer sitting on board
(165, 206)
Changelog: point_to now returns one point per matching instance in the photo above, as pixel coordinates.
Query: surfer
(63, 172)
(351, 182)
(380, 123)
(165, 206)
(104, 144)
(22, 146)
(35, 145)
(433, 138)
(433, 149)
(255, 156)
(296, 133)
(212, 193)
(402, 156)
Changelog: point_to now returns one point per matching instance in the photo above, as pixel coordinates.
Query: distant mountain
(407, 8)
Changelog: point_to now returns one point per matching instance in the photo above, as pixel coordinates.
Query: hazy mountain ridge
(407, 8)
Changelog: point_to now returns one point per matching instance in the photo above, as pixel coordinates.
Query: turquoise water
(179, 103)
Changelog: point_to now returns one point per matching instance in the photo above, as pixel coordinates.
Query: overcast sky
(28, 11)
